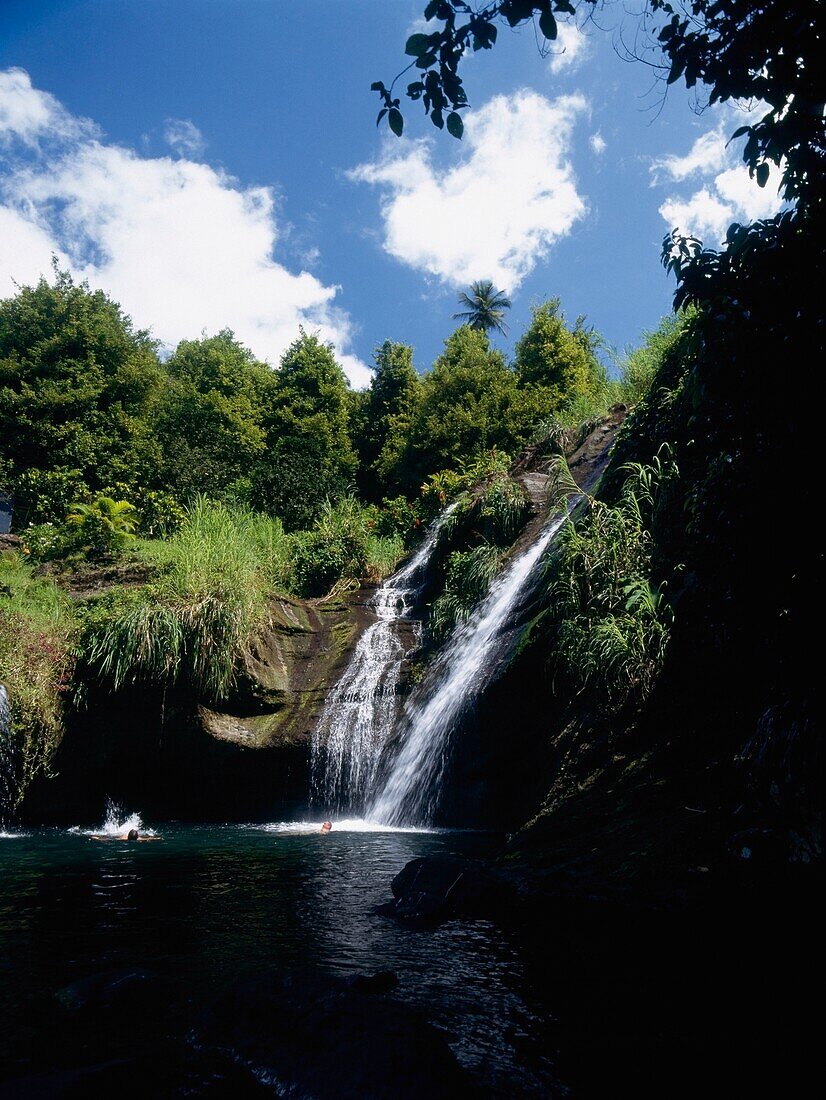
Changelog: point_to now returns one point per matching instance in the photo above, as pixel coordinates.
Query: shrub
(104, 526)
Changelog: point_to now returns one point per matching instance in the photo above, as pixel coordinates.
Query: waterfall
(7, 784)
(361, 709)
(462, 671)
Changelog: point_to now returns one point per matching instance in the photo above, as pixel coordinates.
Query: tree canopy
(77, 383)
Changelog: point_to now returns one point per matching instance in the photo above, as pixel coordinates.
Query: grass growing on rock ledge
(195, 624)
(36, 657)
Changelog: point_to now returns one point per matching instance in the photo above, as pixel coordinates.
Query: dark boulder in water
(128, 990)
(431, 890)
(309, 1035)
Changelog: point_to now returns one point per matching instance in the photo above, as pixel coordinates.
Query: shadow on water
(210, 905)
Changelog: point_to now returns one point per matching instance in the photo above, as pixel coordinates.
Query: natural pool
(211, 904)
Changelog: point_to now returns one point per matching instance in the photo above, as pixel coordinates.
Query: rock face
(249, 760)
(287, 677)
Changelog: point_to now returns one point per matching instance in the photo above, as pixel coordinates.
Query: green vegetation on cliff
(177, 498)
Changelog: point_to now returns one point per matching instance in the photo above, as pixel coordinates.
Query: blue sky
(215, 163)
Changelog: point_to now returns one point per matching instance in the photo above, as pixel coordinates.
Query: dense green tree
(309, 455)
(77, 383)
(470, 402)
(211, 423)
(384, 417)
(557, 364)
(484, 307)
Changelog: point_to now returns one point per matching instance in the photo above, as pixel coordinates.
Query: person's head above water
(132, 834)
(326, 827)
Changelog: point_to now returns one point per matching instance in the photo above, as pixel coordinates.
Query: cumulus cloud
(724, 191)
(496, 212)
(597, 143)
(29, 116)
(569, 50)
(184, 137)
(181, 245)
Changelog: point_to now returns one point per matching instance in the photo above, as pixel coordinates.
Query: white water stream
(462, 671)
(361, 709)
(7, 779)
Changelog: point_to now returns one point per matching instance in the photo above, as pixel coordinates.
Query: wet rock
(431, 890)
(383, 981)
(309, 1035)
(128, 991)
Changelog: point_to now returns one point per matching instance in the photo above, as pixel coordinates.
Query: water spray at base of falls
(463, 670)
(361, 709)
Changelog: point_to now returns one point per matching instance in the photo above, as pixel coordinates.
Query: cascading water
(465, 667)
(361, 708)
(6, 765)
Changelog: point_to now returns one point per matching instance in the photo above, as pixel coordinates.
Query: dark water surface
(210, 904)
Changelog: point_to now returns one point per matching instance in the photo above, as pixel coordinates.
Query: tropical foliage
(609, 619)
(484, 308)
(36, 663)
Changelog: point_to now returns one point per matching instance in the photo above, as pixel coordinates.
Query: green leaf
(517, 11)
(396, 121)
(677, 70)
(547, 24)
(431, 9)
(455, 126)
(417, 44)
(762, 174)
(381, 115)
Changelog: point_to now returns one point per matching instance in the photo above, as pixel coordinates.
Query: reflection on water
(211, 904)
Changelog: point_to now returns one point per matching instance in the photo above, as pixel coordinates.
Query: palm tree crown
(485, 307)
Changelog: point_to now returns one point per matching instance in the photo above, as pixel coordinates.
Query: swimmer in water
(326, 827)
(132, 835)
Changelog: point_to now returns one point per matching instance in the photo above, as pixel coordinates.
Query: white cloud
(597, 143)
(569, 50)
(28, 115)
(184, 137)
(182, 246)
(707, 154)
(725, 192)
(496, 212)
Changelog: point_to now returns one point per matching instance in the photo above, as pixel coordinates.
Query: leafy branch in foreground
(738, 51)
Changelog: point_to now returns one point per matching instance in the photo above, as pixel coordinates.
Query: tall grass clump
(611, 620)
(470, 574)
(640, 366)
(36, 659)
(194, 626)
